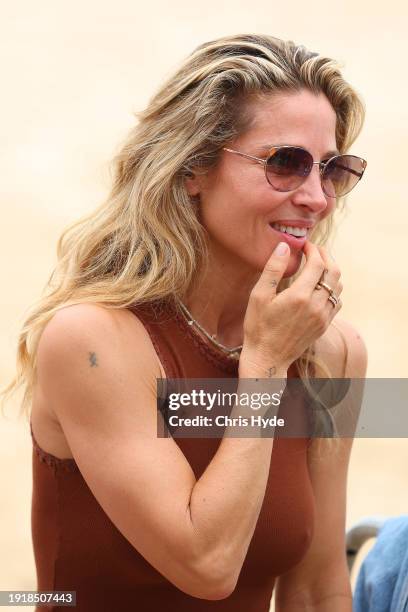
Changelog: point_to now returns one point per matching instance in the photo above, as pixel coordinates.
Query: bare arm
(320, 582)
(236, 478)
(98, 370)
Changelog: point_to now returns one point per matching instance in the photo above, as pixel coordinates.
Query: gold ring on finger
(321, 284)
(333, 299)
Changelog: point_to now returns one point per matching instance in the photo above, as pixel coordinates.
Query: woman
(191, 269)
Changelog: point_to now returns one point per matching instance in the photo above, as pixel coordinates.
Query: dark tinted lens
(287, 168)
(341, 174)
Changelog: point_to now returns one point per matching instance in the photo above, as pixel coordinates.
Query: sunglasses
(287, 167)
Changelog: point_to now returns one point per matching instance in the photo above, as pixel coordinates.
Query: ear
(192, 184)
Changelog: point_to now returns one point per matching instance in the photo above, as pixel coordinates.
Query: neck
(219, 300)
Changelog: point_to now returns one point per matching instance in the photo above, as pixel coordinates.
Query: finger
(274, 269)
(331, 274)
(326, 256)
(334, 308)
(312, 270)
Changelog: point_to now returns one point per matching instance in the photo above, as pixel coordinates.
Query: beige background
(72, 74)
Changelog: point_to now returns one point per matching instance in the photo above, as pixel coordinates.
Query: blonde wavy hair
(145, 242)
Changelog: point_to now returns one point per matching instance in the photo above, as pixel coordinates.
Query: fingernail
(282, 248)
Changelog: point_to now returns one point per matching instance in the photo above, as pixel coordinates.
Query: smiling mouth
(301, 233)
(295, 242)
(294, 232)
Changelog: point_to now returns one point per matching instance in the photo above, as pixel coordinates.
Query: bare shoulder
(92, 326)
(87, 340)
(343, 350)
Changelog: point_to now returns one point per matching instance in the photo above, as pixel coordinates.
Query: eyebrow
(266, 147)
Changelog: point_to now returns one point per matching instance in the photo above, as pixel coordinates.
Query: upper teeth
(289, 229)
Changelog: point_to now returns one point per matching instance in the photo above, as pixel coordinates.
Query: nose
(310, 192)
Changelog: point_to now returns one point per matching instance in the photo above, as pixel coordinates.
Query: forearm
(226, 501)
(330, 593)
(331, 603)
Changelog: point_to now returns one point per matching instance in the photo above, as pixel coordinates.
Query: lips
(296, 242)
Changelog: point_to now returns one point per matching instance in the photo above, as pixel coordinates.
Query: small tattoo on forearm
(92, 359)
(272, 371)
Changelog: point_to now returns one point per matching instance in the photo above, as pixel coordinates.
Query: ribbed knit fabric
(78, 548)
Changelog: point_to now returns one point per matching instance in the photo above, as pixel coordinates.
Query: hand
(278, 328)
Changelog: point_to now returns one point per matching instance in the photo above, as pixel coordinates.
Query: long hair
(145, 241)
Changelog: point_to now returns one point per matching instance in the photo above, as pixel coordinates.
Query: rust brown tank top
(78, 548)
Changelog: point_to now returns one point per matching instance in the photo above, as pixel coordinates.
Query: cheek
(249, 206)
(225, 225)
(226, 204)
(330, 208)
(240, 213)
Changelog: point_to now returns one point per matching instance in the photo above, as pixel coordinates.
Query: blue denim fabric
(382, 583)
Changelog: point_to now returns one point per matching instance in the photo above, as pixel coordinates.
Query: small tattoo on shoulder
(272, 371)
(273, 283)
(92, 359)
